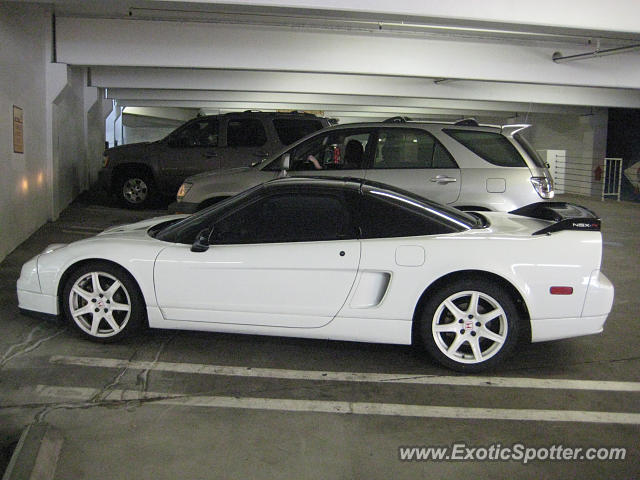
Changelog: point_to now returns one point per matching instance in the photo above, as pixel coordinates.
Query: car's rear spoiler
(567, 216)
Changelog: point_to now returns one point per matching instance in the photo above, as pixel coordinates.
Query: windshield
(190, 226)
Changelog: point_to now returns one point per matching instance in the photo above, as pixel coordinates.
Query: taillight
(543, 186)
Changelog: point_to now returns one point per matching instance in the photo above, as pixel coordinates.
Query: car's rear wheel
(470, 325)
(103, 302)
(135, 190)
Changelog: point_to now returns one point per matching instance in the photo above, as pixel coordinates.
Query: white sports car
(342, 259)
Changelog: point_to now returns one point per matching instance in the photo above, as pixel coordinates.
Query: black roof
(365, 186)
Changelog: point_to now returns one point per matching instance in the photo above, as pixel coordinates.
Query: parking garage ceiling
(357, 58)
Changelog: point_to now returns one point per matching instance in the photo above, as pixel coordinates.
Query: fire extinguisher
(597, 173)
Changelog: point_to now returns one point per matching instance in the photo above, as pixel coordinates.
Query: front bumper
(38, 302)
(182, 207)
(30, 296)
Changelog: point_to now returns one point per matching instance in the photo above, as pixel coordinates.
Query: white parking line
(337, 407)
(399, 378)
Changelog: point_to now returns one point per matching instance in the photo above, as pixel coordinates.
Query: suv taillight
(543, 186)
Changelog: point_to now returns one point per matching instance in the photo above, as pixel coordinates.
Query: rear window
(493, 147)
(291, 129)
(247, 132)
(530, 151)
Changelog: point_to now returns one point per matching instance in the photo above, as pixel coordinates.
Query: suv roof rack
(465, 122)
(397, 119)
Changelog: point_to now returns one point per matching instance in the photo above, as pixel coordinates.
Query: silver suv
(466, 165)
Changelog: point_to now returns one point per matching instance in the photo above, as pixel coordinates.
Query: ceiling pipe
(318, 21)
(440, 81)
(557, 57)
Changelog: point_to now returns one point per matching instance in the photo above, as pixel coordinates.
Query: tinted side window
(336, 150)
(246, 133)
(287, 218)
(493, 147)
(291, 129)
(199, 133)
(407, 148)
(383, 217)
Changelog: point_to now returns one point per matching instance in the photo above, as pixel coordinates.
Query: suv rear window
(493, 147)
(246, 132)
(530, 151)
(291, 129)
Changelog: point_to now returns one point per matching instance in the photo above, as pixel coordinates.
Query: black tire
(450, 331)
(106, 320)
(135, 190)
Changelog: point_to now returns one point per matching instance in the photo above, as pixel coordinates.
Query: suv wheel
(135, 190)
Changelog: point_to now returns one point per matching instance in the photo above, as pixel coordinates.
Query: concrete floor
(92, 392)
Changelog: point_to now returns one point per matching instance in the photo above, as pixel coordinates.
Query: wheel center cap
(468, 325)
(100, 304)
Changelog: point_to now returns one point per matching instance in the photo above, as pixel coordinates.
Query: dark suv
(136, 172)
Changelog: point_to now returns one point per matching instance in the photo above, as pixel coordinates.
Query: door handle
(210, 154)
(443, 179)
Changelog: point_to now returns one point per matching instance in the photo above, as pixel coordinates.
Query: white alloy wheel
(99, 304)
(135, 190)
(469, 327)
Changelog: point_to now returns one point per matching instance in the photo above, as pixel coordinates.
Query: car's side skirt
(341, 328)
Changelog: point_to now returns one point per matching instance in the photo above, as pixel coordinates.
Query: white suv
(466, 165)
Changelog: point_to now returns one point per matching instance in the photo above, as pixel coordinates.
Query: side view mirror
(201, 243)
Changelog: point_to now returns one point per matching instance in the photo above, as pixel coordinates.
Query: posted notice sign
(18, 130)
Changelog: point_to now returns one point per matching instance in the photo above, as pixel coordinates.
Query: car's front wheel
(470, 325)
(103, 302)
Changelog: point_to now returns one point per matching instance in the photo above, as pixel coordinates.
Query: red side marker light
(561, 290)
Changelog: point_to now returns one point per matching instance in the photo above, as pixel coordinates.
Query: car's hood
(218, 173)
(133, 229)
(118, 235)
(126, 148)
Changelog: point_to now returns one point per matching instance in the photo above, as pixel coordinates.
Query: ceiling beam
(588, 15)
(326, 101)
(92, 41)
(356, 85)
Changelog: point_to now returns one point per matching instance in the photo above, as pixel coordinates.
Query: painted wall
(68, 147)
(24, 205)
(583, 137)
(63, 126)
(98, 109)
